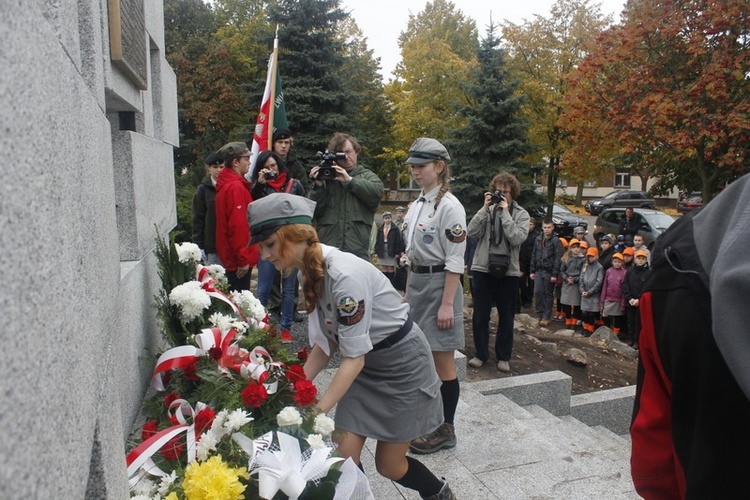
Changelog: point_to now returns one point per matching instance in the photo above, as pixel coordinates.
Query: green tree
(495, 136)
(315, 72)
(544, 52)
(438, 51)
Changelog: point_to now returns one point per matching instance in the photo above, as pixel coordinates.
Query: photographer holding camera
(500, 227)
(270, 176)
(347, 197)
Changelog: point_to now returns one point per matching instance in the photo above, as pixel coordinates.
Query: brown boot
(445, 493)
(442, 437)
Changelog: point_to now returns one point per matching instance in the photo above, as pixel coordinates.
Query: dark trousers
(634, 322)
(503, 294)
(526, 288)
(239, 284)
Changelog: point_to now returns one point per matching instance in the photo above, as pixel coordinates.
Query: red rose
(295, 373)
(173, 449)
(170, 398)
(149, 429)
(304, 393)
(203, 420)
(190, 372)
(254, 394)
(215, 353)
(302, 354)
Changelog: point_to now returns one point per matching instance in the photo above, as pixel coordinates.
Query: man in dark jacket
(629, 226)
(526, 287)
(690, 432)
(545, 267)
(282, 145)
(346, 205)
(204, 211)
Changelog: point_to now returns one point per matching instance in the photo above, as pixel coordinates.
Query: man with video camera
(347, 197)
(500, 228)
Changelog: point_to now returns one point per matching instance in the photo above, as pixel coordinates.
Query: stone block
(145, 189)
(459, 359)
(550, 390)
(612, 408)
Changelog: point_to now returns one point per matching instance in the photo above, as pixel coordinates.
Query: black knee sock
(418, 477)
(449, 391)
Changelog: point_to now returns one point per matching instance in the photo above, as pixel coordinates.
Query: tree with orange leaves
(669, 85)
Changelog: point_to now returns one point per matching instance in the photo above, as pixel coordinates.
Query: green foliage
(494, 137)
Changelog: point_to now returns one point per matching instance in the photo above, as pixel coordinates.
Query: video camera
(496, 197)
(326, 172)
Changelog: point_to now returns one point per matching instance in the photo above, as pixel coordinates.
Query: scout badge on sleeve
(350, 311)
(456, 234)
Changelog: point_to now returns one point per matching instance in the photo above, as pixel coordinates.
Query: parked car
(620, 198)
(565, 220)
(652, 223)
(690, 203)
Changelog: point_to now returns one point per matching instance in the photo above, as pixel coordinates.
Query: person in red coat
(232, 229)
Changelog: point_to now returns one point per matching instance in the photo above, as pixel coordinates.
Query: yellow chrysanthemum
(171, 496)
(214, 480)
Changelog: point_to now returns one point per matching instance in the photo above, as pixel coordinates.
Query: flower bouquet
(234, 416)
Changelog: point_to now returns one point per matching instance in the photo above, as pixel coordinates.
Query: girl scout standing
(435, 244)
(386, 386)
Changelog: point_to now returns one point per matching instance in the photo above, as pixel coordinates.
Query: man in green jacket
(346, 205)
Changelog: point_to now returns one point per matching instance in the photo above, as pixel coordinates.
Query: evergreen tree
(495, 136)
(314, 72)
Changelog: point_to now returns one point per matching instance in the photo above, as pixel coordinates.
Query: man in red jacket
(232, 228)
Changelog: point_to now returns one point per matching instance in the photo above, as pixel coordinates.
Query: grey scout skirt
(396, 396)
(425, 294)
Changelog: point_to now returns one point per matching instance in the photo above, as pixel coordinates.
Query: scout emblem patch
(351, 312)
(456, 234)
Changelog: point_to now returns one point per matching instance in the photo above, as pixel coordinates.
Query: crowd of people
(396, 381)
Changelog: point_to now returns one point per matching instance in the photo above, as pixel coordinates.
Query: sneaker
(475, 362)
(298, 317)
(503, 366)
(286, 336)
(442, 437)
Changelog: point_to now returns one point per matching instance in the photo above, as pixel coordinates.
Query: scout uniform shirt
(436, 236)
(358, 307)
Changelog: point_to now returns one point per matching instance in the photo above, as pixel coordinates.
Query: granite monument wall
(88, 112)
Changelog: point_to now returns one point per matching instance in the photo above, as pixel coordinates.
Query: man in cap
(232, 231)
(204, 210)
(346, 205)
(399, 222)
(282, 144)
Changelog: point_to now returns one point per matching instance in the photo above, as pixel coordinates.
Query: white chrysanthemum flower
(166, 483)
(218, 273)
(249, 304)
(240, 326)
(206, 445)
(188, 252)
(289, 416)
(217, 427)
(191, 299)
(144, 487)
(324, 425)
(221, 321)
(315, 441)
(236, 420)
(140, 497)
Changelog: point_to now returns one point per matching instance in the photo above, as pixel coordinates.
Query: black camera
(327, 172)
(271, 175)
(497, 197)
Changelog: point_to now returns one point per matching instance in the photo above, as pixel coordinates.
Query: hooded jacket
(232, 227)
(691, 420)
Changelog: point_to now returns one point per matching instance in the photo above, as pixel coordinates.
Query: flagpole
(275, 65)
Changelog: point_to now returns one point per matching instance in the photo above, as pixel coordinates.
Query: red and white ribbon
(255, 368)
(207, 283)
(140, 457)
(176, 357)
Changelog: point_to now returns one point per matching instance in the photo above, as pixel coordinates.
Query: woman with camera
(270, 176)
(500, 227)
